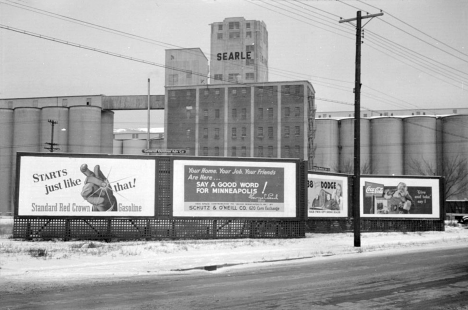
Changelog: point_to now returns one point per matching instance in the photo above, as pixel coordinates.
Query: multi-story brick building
(274, 119)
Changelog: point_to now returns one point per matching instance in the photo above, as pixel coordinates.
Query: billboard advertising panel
(85, 186)
(327, 195)
(400, 197)
(211, 188)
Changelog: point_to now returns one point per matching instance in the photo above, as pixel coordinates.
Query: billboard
(327, 195)
(216, 188)
(400, 197)
(85, 186)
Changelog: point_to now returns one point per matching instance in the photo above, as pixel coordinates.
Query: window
(297, 150)
(134, 136)
(287, 112)
(234, 132)
(188, 113)
(325, 115)
(233, 77)
(270, 151)
(286, 90)
(218, 77)
(244, 91)
(88, 101)
(234, 91)
(418, 113)
(234, 35)
(188, 133)
(220, 27)
(244, 113)
(205, 113)
(216, 134)
(286, 131)
(220, 36)
(247, 25)
(188, 93)
(260, 113)
(365, 115)
(173, 93)
(233, 151)
(234, 25)
(234, 113)
(205, 151)
(217, 113)
(270, 132)
(216, 92)
(249, 76)
(385, 113)
(297, 111)
(244, 131)
(260, 131)
(216, 151)
(292, 89)
(189, 74)
(270, 112)
(260, 151)
(297, 131)
(249, 48)
(206, 92)
(64, 102)
(173, 79)
(205, 133)
(248, 34)
(454, 111)
(287, 151)
(243, 151)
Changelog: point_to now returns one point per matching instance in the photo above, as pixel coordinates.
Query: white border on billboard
(250, 189)
(61, 186)
(327, 195)
(383, 208)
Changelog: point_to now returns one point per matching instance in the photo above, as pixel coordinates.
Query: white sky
(302, 46)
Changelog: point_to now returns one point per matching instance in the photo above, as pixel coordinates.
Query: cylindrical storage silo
(347, 146)
(326, 144)
(6, 160)
(107, 131)
(387, 146)
(26, 130)
(420, 145)
(455, 153)
(133, 147)
(85, 129)
(117, 147)
(60, 116)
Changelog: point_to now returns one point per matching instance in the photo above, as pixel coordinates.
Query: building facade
(187, 66)
(274, 120)
(239, 51)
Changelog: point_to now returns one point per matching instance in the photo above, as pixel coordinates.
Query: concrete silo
(420, 145)
(6, 159)
(85, 129)
(107, 131)
(60, 115)
(326, 141)
(117, 147)
(347, 146)
(387, 145)
(133, 147)
(455, 153)
(26, 131)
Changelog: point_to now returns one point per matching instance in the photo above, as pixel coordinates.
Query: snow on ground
(53, 261)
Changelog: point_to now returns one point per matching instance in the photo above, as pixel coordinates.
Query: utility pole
(51, 147)
(357, 126)
(149, 123)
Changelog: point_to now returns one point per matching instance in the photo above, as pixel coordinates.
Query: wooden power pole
(51, 144)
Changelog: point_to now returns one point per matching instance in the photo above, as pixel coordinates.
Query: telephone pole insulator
(51, 144)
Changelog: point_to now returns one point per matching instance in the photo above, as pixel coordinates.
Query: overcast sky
(413, 57)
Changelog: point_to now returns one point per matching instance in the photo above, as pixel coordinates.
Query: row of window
(260, 113)
(260, 151)
(233, 26)
(287, 132)
(291, 89)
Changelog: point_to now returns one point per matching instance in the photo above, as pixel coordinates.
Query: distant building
(406, 112)
(187, 66)
(274, 120)
(239, 51)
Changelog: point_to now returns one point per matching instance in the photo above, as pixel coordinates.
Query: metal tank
(455, 151)
(347, 146)
(6, 158)
(26, 130)
(326, 144)
(59, 115)
(107, 131)
(117, 147)
(85, 129)
(133, 147)
(387, 146)
(420, 145)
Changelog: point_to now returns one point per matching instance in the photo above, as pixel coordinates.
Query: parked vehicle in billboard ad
(327, 195)
(85, 186)
(211, 188)
(400, 197)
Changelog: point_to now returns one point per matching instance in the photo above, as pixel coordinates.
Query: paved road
(424, 279)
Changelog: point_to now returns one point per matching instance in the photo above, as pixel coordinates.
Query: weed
(38, 253)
